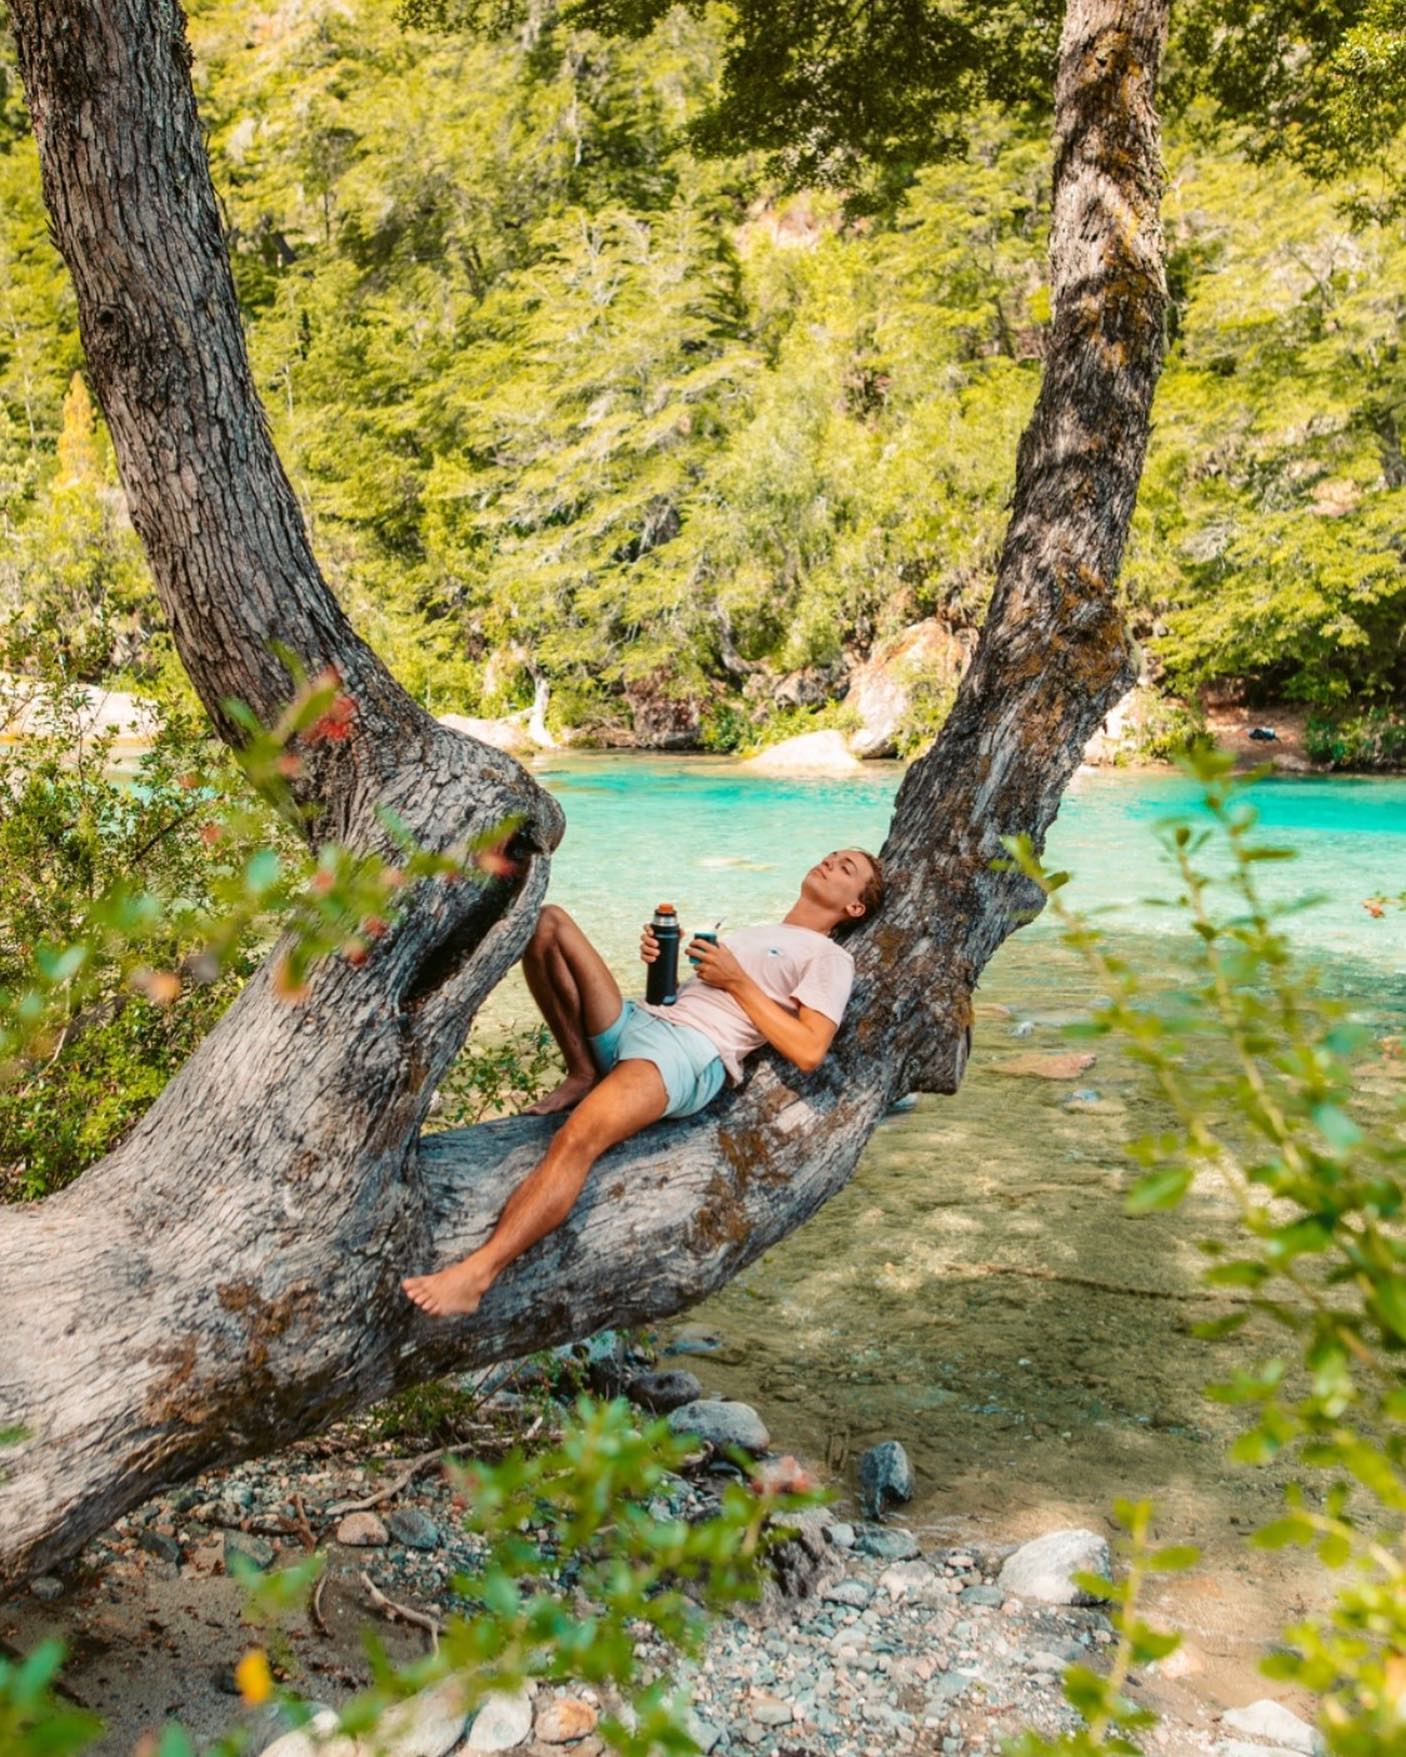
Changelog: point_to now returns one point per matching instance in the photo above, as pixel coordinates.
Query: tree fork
(227, 1279)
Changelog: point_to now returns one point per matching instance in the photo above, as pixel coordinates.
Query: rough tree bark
(227, 1280)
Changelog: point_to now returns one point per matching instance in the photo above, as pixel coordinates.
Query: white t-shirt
(794, 966)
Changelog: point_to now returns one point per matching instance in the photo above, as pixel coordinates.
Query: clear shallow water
(978, 1290)
(719, 842)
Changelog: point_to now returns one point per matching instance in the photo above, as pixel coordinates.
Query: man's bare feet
(452, 1293)
(564, 1097)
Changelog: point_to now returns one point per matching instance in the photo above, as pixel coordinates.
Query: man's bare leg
(577, 996)
(630, 1097)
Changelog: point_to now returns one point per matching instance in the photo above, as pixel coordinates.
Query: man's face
(839, 880)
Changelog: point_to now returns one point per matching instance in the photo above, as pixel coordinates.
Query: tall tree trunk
(228, 1278)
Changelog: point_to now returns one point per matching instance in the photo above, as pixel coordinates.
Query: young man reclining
(628, 1064)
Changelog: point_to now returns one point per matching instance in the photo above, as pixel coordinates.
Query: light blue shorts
(691, 1067)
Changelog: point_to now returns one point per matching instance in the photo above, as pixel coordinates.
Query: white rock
(881, 689)
(503, 1722)
(850, 1592)
(703, 1733)
(1243, 1748)
(1044, 1569)
(1267, 1719)
(1041, 1661)
(813, 753)
(769, 1709)
(427, 1725)
(506, 735)
(722, 1424)
(915, 1580)
(319, 1738)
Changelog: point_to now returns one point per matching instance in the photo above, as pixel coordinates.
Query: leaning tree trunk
(227, 1280)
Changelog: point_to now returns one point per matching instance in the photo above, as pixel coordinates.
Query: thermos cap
(666, 909)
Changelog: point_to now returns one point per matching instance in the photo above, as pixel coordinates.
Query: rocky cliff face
(920, 665)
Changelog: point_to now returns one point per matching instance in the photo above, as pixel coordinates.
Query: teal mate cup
(712, 940)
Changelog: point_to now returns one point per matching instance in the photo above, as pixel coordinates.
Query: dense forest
(570, 405)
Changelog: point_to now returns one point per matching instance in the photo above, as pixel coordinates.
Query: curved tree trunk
(228, 1278)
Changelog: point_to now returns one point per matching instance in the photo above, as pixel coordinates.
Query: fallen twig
(394, 1612)
(337, 1508)
(319, 1621)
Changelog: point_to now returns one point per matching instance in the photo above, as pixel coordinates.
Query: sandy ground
(1231, 727)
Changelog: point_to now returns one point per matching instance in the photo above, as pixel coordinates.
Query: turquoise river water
(978, 1291)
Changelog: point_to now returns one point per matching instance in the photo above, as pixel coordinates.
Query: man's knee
(551, 919)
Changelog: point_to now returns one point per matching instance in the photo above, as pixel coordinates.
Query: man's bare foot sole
(453, 1293)
(564, 1097)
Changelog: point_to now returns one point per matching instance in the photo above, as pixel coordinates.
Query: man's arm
(802, 1037)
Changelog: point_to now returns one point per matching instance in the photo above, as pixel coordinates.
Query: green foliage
(73, 582)
(1165, 727)
(88, 955)
(566, 400)
(34, 1722)
(496, 1076)
(795, 721)
(132, 907)
(928, 705)
(1265, 543)
(1321, 85)
(1318, 1173)
(839, 95)
(1372, 739)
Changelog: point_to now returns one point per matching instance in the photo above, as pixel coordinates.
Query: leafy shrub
(726, 726)
(497, 1076)
(1164, 728)
(929, 703)
(1319, 1263)
(75, 832)
(1372, 739)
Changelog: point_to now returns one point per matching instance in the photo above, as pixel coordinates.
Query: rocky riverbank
(872, 1638)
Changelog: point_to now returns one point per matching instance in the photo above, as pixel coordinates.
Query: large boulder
(509, 734)
(927, 656)
(85, 711)
(813, 753)
(721, 1424)
(1044, 1569)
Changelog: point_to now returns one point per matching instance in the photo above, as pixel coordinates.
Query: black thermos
(661, 988)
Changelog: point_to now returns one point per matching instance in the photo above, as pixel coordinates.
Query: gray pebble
(414, 1528)
(664, 1391)
(888, 1544)
(850, 1592)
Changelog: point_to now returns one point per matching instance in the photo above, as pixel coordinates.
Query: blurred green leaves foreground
(138, 899)
(579, 1555)
(1258, 1068)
